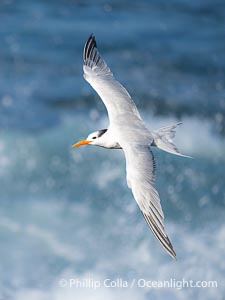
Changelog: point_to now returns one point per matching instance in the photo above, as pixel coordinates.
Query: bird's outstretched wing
(132, 136)
(117, 100)
(140, 167)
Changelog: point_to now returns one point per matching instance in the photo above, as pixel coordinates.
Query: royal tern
(127, 131)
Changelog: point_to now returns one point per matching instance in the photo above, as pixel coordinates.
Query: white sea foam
(87, 237)
(197, 262)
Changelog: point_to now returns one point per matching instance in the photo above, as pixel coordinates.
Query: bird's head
(94, 138)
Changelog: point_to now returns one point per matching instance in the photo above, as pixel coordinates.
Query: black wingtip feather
(165, 242)
(89, 46)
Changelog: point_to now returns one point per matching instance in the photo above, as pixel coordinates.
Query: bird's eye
(94, 137)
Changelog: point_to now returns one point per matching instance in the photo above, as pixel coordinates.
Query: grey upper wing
(115, 97)
(140, 167)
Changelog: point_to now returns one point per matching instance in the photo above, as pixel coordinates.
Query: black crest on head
(101, 132)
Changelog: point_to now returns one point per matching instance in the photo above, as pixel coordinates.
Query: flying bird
(127, 131)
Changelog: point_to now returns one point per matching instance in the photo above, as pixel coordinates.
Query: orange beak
(80, 143)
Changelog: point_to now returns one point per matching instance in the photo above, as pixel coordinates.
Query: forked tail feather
(163, 139)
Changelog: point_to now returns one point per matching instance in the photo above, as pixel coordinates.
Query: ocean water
(68, 214)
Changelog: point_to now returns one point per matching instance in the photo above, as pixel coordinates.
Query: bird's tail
(163, 139)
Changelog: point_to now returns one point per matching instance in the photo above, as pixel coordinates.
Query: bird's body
(128, 131)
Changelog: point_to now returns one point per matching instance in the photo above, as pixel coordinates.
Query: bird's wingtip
(89, 45)
(173, 254)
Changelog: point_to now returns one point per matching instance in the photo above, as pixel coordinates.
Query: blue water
(68, 213)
